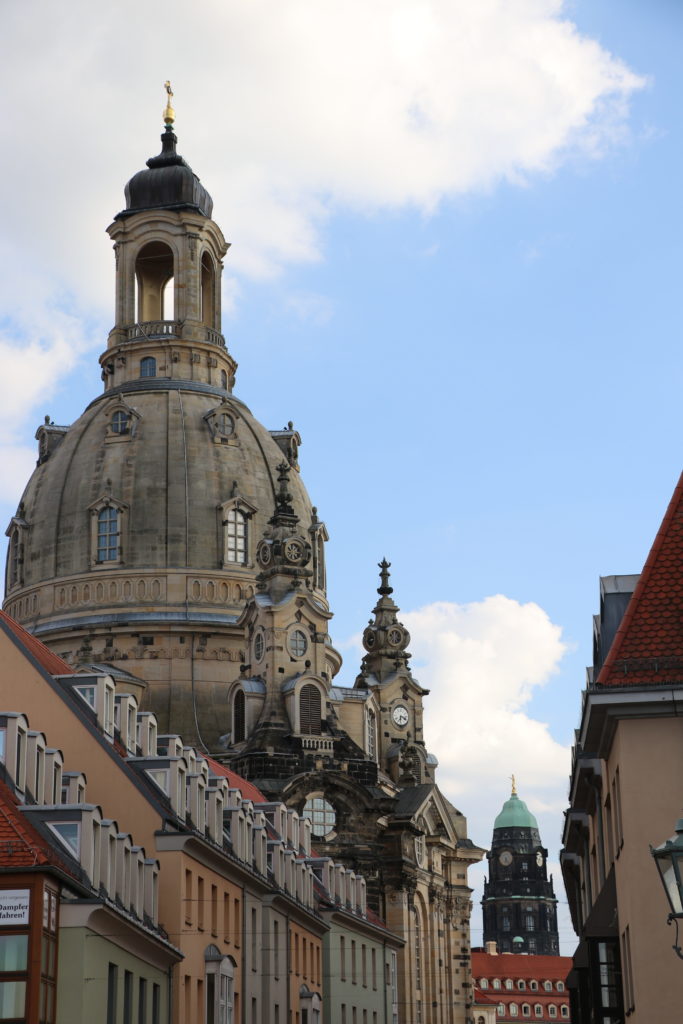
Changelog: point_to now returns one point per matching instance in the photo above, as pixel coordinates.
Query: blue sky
(469, 305)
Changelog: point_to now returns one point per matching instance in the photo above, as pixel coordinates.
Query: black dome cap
(169, 183)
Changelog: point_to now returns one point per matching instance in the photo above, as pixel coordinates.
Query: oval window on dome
(259, 646)
(298, 644)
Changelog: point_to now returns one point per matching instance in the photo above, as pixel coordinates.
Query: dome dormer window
(107, 520)
(310, 710)
(236, 535)
(119, 422)
(107, 535)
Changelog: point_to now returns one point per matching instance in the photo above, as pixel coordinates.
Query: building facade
(625, 793)
(511, 987)
(519, 904)
(166, 541)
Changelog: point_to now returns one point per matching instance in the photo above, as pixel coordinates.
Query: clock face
(264, 553)
(505, 858)
(394, 637)
(400, 715)
(293, 551)
(539, 859)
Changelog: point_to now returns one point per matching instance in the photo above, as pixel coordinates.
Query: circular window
(322, 815)
(298, 644)
(259, 646)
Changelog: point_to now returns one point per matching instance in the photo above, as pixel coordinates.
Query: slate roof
(51, 662)
(648, 645)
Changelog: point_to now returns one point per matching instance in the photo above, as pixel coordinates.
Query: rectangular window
(200, 903)
(364, 965)
(342, 955)
(156, 1004)
(12, 999)
(112, 986)
(127, 998)
(353, 961)
(616, 792)
(13, 952)
(107, 535)
(276, 948)
(254, 940)
(214, 910)
(188, 897)
(237, 922)
(142, 1001)
(374, 968)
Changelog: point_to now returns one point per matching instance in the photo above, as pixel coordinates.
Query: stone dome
(136, 542)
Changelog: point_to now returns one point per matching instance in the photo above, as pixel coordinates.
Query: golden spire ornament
(169, 112)
(514, 786)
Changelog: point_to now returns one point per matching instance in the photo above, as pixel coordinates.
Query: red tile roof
(248, 790)
(648, 646)
(21, 846)
(51, 662)
(519, 965)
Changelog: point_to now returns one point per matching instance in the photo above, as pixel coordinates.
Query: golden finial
(514, 786)
(169, 112)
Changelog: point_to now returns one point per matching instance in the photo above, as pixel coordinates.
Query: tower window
(236, 537)
(107, 534)
(154, 278)
(13, 560)
(148, 367)
(298, 643)
(238, 717)
(224, 380)
(310, 713)
(119, 422)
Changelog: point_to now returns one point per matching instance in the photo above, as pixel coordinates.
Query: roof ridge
(608, 672)
(47, 659)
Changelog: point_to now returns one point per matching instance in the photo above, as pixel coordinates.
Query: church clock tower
(520, 909)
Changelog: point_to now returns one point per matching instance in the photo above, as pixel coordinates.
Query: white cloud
(482, 663)
(290, 112)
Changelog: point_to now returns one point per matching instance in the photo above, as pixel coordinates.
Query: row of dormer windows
(508, 983)
(56, 800)
(513, 1010)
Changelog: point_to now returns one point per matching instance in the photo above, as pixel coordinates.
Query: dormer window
(119, 422)
(310, 710)
(69, 834)
(107, 534)
(236, 537)
(88, 693)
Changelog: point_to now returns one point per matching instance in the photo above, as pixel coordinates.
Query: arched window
(208, 312)
(372, 734)
(238, 717)
(538, 1010)
(509, 983)
(484, 983)
(533, 985)
(560, 986)
(505, 919)
(219, 977)
(154, 278)
(108, 534)
(224, 380)
(526, 1010)
(552, 1010)
(548, 986)
(521, 985)
(148, 367)
(564, 1011)
(513, 1009)
(310, 710)
(496, 982)
(119, 422)
(236, 537)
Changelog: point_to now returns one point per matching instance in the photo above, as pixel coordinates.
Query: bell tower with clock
(519, 905)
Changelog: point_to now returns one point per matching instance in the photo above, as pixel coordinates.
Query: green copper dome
(515, 814)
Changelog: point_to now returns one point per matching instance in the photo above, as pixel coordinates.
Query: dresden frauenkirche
(166, 538)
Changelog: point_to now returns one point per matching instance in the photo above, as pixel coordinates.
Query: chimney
(492, 948)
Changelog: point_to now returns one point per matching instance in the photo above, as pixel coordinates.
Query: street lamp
(669, 860)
